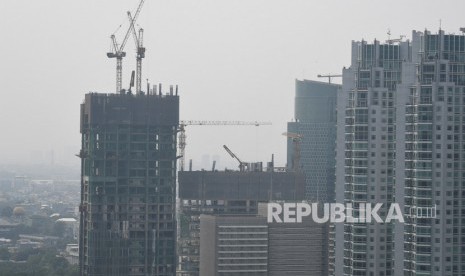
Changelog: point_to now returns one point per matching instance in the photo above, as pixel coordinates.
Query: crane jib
(118, 52)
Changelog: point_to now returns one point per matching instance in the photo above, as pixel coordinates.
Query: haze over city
(305, 138)
(232, 60)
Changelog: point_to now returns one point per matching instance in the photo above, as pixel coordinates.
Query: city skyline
(226, 57)
(240, 107)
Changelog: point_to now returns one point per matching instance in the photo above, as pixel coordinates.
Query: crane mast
(117, 51)
(140, 56)
(138, 39)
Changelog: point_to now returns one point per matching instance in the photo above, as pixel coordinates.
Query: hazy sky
(232, 60)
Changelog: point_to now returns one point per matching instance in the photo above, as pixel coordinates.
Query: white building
(401, 139)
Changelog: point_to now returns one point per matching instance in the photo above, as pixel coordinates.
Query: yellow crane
(182, 132)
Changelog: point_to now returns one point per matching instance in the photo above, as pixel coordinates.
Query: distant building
(71, 227)
(248, 245)
(128, 192)
(233, 245)
(71, 254)
(36, 241)
(7, 227)
(315, 120)
(226, 192)
(298, 249)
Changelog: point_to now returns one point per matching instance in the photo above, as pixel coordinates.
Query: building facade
(366, 153)
(402, 104)
(233, 245)
(315, 121)
(435, 157)
(249, 245)
(298, 249)
(232, 193)
(128, 185)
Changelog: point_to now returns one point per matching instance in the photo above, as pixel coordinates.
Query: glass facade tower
(315, 120)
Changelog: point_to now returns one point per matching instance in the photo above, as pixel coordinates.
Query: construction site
(128, 181)
(227, 193)
(128, 186)
(140, 206)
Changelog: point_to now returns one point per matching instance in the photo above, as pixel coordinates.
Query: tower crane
(138, 39)
(117, 50)
(182, 132)
(296, 141)
(329, 76)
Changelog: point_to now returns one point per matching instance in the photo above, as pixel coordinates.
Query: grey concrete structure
(235, 185)
(128, 184)
(226, 192)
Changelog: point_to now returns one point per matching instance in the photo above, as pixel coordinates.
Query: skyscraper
(315, 120)
(128, 190)
(435, 157)
(402, 104)
(365, 153)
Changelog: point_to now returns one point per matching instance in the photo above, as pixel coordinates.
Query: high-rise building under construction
(128, 186)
